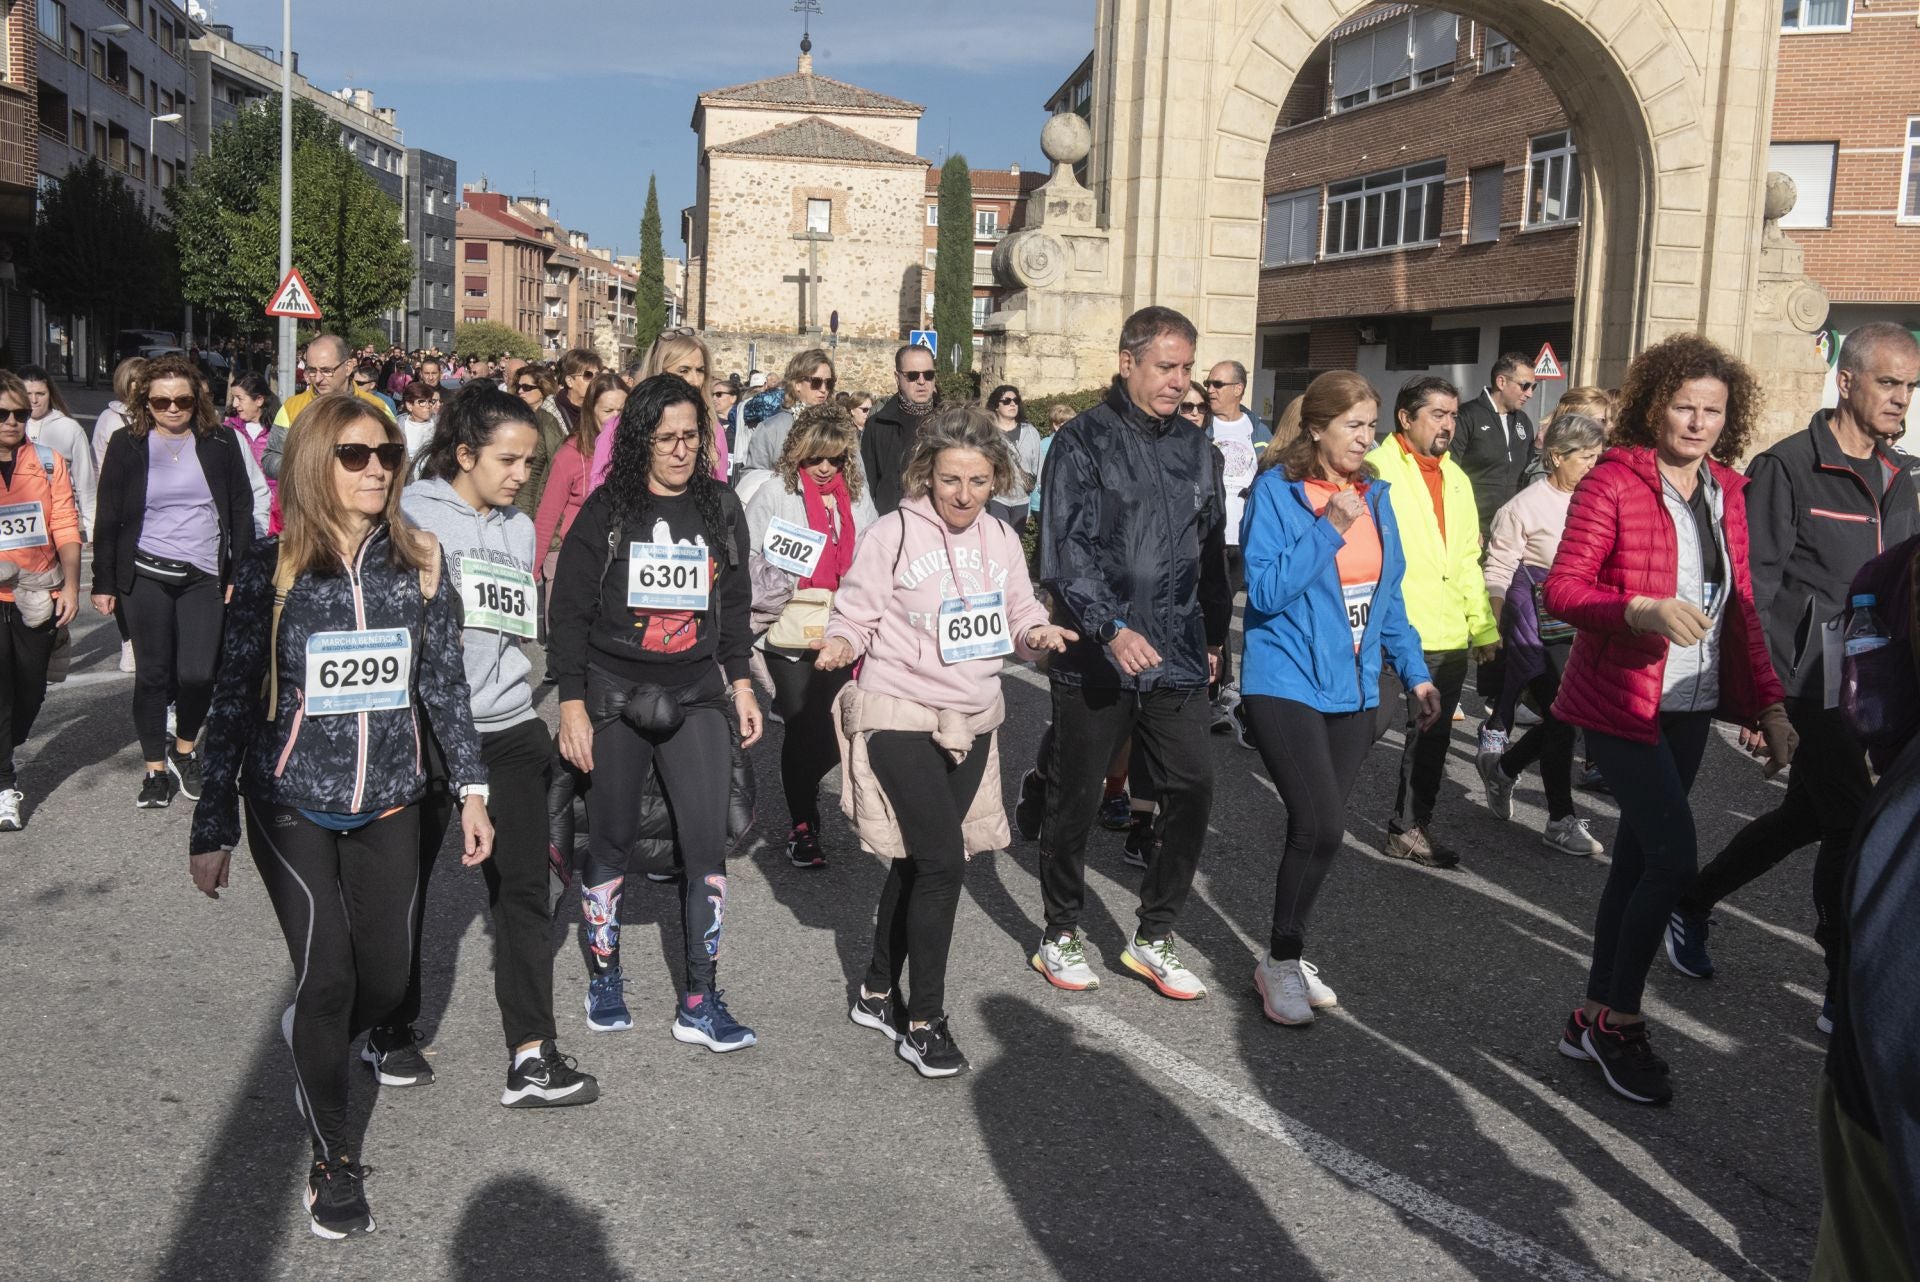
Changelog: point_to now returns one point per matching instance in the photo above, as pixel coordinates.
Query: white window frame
(1391, 188)
(1803, 216)
(986, 222)
(823, 206)
(1799, 25)
(982, 308)
(1415, 77)
(41, 9)
(1283, 205)
(1909, 170)
(1496, 50)
(933, 215)
(1570, 191)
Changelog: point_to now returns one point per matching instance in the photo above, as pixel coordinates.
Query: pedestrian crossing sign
(294, 299)
(1547, 365)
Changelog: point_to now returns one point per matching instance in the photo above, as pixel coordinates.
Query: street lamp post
(171, 118)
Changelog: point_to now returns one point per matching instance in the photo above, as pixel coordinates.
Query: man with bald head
(329, 373)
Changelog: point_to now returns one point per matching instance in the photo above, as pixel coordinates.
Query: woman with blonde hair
(115, 416)
(679, 353)
(803, 524)
(809, 380)
(343, 630)
(1596, 403)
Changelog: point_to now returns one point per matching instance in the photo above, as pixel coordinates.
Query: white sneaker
(1499, 785)
(1459, 714)
(1063, 960)
(1569, 836)
(1319, 996)
(1283, 991)
(1223, 708)
(10, 820)
(126, 656)
(1159, 965)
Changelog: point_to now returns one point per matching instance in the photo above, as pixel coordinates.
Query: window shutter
(1391, 58)
(1306, 227)
(1487, 187)
(1352, 65)
(1810, 165)
(1435, 39)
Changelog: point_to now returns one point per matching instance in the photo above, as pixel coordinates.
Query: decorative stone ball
(1066, 140)
(1781, 195)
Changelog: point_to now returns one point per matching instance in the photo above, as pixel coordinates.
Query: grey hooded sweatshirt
(496, 668)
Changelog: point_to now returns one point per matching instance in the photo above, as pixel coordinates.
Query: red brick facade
(1003, 192)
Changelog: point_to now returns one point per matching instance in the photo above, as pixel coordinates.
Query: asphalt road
(1427, 1130)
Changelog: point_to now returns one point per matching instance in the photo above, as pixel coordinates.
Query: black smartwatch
(1111, 629)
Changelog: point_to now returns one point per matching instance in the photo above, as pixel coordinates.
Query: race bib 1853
(365, 671)
(498, 598)
(668, 576)
(974, 627)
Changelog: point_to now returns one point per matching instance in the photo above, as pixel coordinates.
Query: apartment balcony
(553, 289)
(552, 323)
(988, 235)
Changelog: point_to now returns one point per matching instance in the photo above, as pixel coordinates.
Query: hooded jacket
(495, 666)
(1133, 531)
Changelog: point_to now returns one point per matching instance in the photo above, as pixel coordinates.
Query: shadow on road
(518, 1226)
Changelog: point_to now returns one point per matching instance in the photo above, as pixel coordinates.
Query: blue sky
(581, 99)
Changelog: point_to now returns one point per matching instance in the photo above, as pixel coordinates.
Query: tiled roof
(811, 138)
(796, 89)
(485, 224)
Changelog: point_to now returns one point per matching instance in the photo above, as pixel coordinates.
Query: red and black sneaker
(803, 848)
(1626, 1059)
(1573, 1036)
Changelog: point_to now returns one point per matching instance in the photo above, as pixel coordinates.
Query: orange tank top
(1358, 559)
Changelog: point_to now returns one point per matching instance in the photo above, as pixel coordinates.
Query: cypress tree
(953, 267)
(650, 295)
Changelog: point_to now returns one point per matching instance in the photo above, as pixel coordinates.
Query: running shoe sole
(1673, 957)
(921, 1067)
(321, 1231)
(11, 825)
(695, 1037)
(878, 1025)
(1824, 1024)
(1585, 851)
(1571, 1051)
(581, 1092)
(1146, 972)
(1266, 1004)
(371, 1058)
(604, 1028)
(1057, 982)
(1586, 1042)
(180, 780)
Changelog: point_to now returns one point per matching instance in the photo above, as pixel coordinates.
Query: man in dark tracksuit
(1133, 550)
(1493, 442)
(1820, 504)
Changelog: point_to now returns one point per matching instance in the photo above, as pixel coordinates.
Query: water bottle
(1867, 677)
(1865, 632)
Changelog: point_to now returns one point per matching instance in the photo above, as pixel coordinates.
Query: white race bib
(366, 671)
(1359, 601)
(668, 576)
(498, 598)
(23, 525)
(793, 548)
(974, 627)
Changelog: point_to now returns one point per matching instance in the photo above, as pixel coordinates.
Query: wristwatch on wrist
(475, 790)
(1111, 629)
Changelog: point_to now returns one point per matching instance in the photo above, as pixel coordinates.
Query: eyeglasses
(916, 375)
(354, 456)
(15, 416)
(1215, 384)
(326, 371)
(674, 444)
(179, 404)
(838, 460)
(1525, 387)
(820, 384)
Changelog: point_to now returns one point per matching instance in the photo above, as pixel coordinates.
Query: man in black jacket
(1133, 550)
(1820, 504)
(893, 426)
(1494, 441)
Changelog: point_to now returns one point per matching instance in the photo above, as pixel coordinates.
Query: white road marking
(1661, 1013)
(1361, 1172)
(90, 679)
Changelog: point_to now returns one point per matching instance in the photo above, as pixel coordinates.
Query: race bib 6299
(363, 671)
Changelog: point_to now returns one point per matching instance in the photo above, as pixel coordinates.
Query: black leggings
(1655, 852)
(346, 902)
(1314, 758)
(695, 765)
(1550, 743)
(176, 647)
(803, 696)
(25, 651)
(931, 795)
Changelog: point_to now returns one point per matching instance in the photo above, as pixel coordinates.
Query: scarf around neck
(837, 557)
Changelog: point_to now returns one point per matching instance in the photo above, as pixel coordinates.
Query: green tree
(97, 253)
(650, 296)
(953, 267)
(490, 338)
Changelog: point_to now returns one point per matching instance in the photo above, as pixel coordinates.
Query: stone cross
(804, 278)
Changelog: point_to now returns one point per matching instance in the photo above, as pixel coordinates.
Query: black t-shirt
(1711, 568)
(1869, 470)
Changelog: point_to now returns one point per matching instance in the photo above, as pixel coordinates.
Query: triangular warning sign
(294, 299)
(1546, 364)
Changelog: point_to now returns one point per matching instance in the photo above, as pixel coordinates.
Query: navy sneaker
(705, 1021)
(1687, 943)
(1825, 1022)
(607, 1002)
(1116, 812)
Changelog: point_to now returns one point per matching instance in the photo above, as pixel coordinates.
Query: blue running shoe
(607, 1002)
(1687, 943)
(1825, 1022)
(710, 1025)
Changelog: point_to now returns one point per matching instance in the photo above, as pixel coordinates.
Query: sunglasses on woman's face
(354, 457)
(1193, 409)
(1008, 400)
(15, 416)
(820, 384)
(179, 404)
(838, 460)
(524, 388)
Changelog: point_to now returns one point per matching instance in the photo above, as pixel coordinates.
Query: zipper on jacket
(1879, 505)
(360, 623)
(293, 735)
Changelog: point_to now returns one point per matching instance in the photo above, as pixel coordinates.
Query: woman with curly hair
(1652, 572)
(803, 526)
(650, 626)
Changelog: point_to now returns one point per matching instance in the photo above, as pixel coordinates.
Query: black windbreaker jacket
(1133, 529)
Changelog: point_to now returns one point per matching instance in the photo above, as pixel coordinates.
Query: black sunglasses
(1008, 400)
(1215, 384)
(524, 388)
(838, 460)
(354, 456)
(15, 416)
(917, 375)
(821, 384)
(1193, 407)
(180, 403)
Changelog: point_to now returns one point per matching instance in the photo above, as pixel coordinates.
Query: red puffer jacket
(1619, 544)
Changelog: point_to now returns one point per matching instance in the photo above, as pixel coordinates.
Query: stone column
(1788, 309)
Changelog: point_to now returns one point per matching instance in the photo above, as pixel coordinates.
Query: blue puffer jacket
(351, 763)
(1299, 644)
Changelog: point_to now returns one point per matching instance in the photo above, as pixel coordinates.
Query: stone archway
(1671, 100)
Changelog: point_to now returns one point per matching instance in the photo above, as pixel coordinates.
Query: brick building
(999, 207)
(520, 267)
(502, 265)
(19, 168)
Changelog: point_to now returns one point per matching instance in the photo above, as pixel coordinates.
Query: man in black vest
(1494, 440)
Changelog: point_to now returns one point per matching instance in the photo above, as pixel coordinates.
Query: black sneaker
(548, 1080)
(1143, 839)
(394, 1055)
(1032, 806)
(931, 1050)
(156, 790)
(803, 847)
(1116, 812)
(186, 773)
(1627, 1061)
(874, 1012)
(1573, 1036)
(337, 1199)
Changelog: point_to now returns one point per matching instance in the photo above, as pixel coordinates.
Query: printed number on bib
(498, 598)
(367, 671)
(668, 576)
(1359, 599)
(23, 525)
(793, 548)
(974, 627)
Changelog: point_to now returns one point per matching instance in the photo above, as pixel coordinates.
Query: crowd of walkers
(332, 607)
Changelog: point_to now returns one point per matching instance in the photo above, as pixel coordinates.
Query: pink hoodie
(887, 604)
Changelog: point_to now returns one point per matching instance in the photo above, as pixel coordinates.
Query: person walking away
(1132, 549)
(175, 518)
(809, 381)
(1820, 504)
(331, 776)
(1494, 442)
(1324, 571)
(478, 460)
(919, 767)
(804, 527)
(329, 368)
(1023, 439)
(1652, 571)
(1526, 534)
(650, 628)
(887, 441)
(1446, 597)
(53, 427)
(39, 579)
